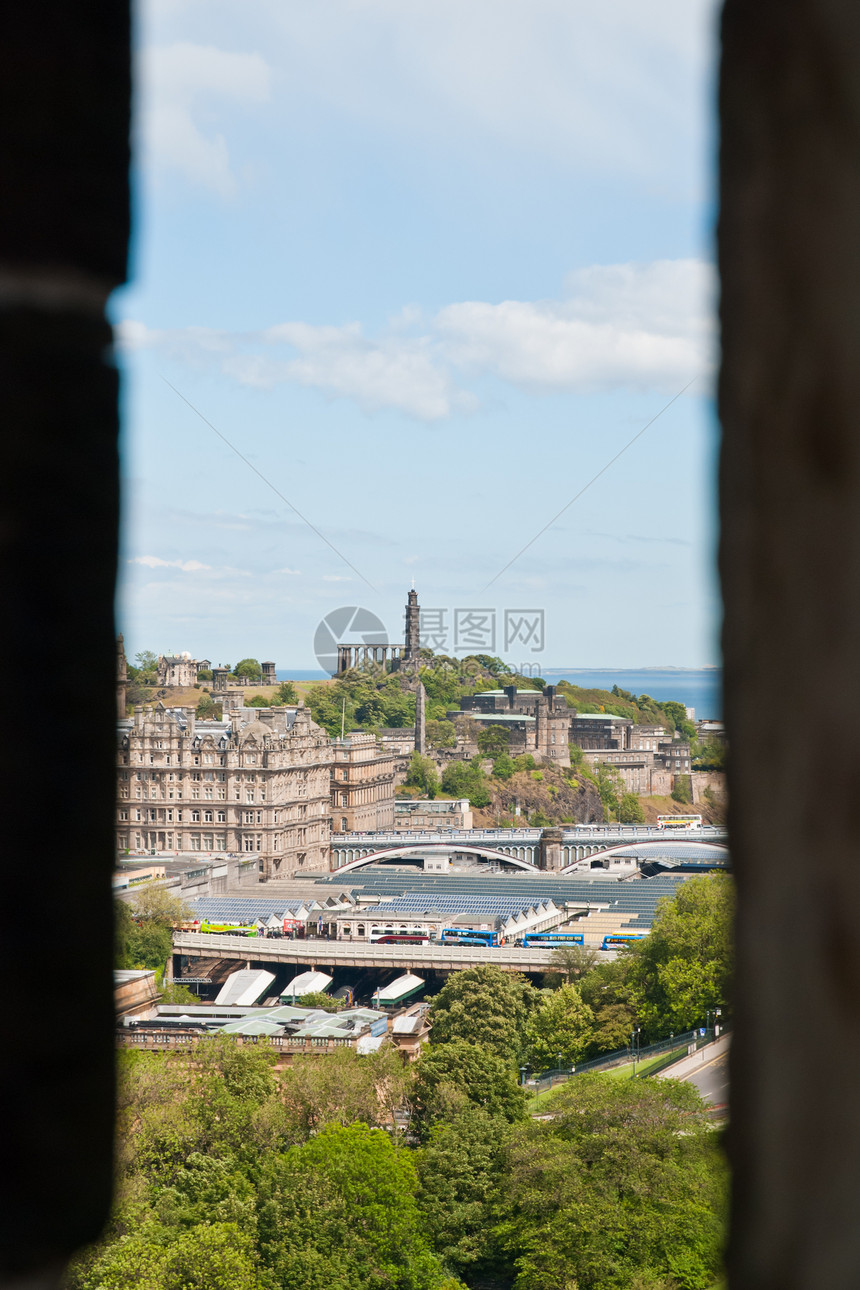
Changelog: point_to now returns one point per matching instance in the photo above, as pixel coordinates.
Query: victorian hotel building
(258, 782)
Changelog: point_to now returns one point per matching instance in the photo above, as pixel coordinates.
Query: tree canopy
(485, 1006)
(684, 967)
(622, 1184)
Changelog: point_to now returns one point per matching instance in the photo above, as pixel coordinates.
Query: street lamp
(523, 1070)
(634, 1044)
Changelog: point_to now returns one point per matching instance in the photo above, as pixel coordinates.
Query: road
(712, 1080)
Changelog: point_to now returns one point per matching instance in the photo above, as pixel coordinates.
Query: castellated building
(258, 781)
(179, 670)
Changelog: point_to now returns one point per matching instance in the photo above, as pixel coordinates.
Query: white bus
(679, 821)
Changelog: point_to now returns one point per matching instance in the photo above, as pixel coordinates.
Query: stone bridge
(518, 848)
(319, 953)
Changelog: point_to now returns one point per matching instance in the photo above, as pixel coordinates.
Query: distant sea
(696, 687)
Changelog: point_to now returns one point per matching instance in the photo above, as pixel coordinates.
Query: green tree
(684, 967)
(570, 963)
(630, 809)
(710, 755)
(452, 1075)
(176, 992)
(207, 709)
(459, 1170)
(149, 945)
(257, 702)
(209, 1256)
(441, 734)
(205, 674)
(340, 1210)
(342, 1088)
(504, 766)
(486, 1006)
(466, 779)
(683, 790)
(123, 927)
(287, 693)
(421, 774)
(493, 740)
(613, 1027)
(677, 715)
(147, 662)
(560, 1030)
(155, 904)
(622, 1185)
(250, 668)
(318, 999)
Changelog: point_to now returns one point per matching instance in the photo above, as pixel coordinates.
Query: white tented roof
(245, 987)
(306, 983)
(399, 989)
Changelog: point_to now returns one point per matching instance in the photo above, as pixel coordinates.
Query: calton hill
(504, 789)
(463, 760)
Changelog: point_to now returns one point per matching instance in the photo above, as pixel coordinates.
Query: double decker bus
(468, 936)
(229, 929)
(619, 939)
(679, 822)
(398, 938)
(553, 940)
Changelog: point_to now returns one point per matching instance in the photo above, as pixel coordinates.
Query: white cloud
(183, 89)
(639, 326)
(642, 326)
(155, 562)
(336, 577)
(295, 572)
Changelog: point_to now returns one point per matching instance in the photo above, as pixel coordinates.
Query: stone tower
(121, 676)
(412, 652)
(420, 705)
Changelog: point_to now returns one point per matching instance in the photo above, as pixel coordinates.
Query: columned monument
(399, 656)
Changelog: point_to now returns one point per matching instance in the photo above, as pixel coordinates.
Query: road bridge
(319, 953)
(517, 848)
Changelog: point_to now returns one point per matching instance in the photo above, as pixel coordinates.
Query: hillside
(545, 796)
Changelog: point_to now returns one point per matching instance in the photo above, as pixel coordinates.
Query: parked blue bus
(468, 936)
(553, 940)
(621, 939)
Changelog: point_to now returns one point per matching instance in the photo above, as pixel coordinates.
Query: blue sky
(428, 266)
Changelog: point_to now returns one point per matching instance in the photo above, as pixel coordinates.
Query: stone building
(256, 782)
(645, 771)
(362, 784)
(382, 653)
(537, 721)
(412, 813)
(600, 730)
(179, 670)
(121, 677)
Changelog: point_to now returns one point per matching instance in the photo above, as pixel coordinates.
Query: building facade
(362, 784)
(256, 783)
(177, 670)
(425, 814)
(537, 721)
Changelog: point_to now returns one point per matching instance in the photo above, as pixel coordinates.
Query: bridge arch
(435, 848)
(674, 850)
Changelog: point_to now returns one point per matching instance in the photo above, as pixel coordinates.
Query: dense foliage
(345, 1171)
